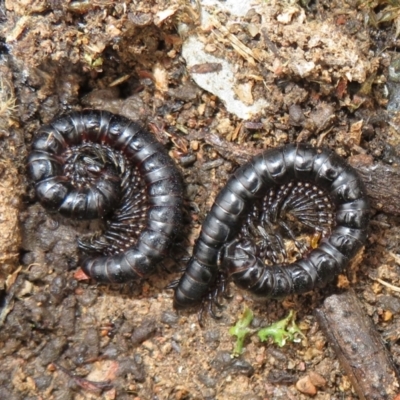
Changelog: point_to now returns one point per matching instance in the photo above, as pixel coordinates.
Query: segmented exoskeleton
(273, 169)
(93, 163)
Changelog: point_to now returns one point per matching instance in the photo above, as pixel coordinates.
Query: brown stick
(358, 347)
(382, 182)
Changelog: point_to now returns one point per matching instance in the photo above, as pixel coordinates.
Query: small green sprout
(241, 330)
(93, 62)
(281, 331)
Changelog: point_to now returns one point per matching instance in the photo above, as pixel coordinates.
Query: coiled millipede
(224, 248)
(91, 164)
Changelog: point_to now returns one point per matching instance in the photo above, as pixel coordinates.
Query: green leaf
(282, 331)
(241, 330)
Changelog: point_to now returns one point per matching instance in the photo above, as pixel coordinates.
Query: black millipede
(94, 164)
(218, 246)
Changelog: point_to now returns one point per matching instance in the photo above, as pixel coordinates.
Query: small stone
(166, 348)
(305, 386)
(317, 379)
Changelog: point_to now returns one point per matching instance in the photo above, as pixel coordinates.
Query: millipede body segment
(294, 178)
(93, 164)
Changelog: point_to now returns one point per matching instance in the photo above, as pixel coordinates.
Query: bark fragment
(358, 347)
